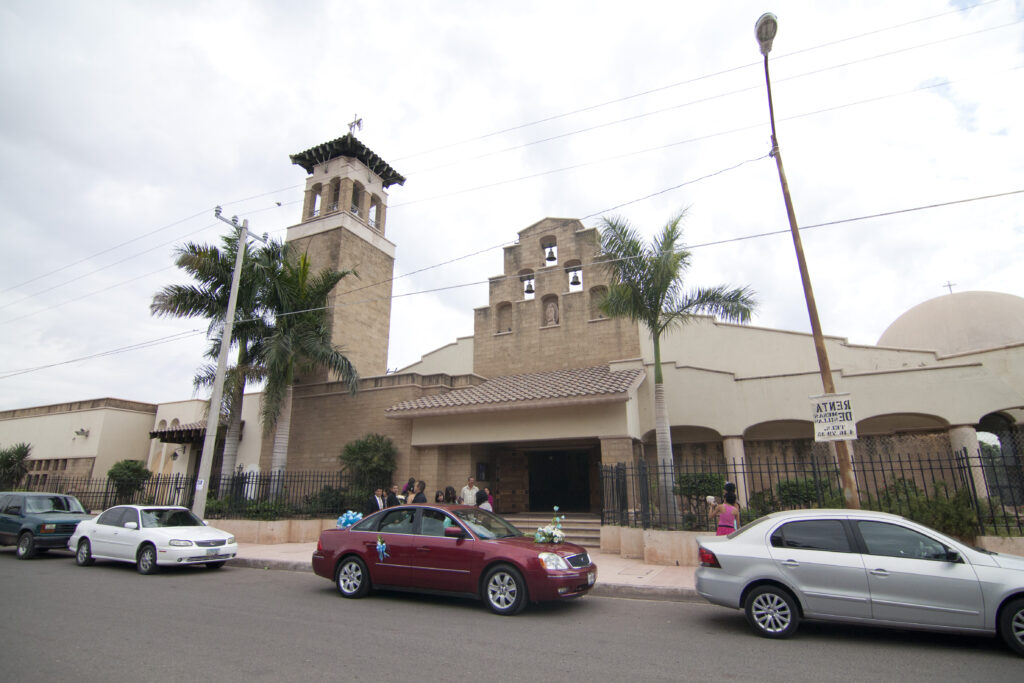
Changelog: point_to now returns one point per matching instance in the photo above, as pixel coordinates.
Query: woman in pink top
(728, 515)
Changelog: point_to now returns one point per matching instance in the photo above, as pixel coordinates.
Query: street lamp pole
(766, 28)
(213, 419)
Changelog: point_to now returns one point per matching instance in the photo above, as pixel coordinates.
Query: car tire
(504, 590)
(214, 565)
(772, 612)
(1011, 625)
(145, 560)
(352, 578)
(83, 556)
(26, 549)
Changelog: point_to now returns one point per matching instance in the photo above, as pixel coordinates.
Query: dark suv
(38, 521)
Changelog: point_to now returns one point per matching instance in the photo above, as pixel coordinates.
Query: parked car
(455, 549)
(151, 536)
(37, 522)
(861, 567)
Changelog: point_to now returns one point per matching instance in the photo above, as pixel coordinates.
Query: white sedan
(150, 536)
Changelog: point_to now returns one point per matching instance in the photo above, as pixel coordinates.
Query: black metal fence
(960, 494)
(249, 495)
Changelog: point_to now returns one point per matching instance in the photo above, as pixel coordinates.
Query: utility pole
(213, 419)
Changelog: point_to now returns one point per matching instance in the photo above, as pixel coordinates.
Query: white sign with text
(833, 418)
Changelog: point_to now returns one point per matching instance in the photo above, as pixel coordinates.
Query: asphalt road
(109, 623)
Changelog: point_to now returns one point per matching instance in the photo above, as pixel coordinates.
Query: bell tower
(343, 227)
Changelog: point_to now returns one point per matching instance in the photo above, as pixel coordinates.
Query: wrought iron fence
(248, 495)
(960, 494)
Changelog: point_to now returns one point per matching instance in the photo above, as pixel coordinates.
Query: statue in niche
(551, 313)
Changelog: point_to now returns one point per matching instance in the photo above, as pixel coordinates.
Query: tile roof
(580, 385)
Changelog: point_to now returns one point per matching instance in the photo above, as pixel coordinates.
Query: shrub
(128, 476)
(369, 462)
(13, 464)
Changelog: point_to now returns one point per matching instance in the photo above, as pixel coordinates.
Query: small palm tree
(14, 464)
(298, 341)
(647, 286)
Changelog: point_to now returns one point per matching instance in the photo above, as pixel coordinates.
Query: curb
(601, 589)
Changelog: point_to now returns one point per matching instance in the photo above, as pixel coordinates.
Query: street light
(765, 29)
(213, 419)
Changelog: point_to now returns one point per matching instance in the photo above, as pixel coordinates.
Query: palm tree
(299, 341)
(647, 286)
(211, 268)
(14, 464)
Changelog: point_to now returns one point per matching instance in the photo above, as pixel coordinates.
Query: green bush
(953, 515)
(128, 476)
(699, 485)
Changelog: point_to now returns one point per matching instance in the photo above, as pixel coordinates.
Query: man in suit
(376, 502)
(393, 498)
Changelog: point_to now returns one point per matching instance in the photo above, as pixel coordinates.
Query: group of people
(414, 492)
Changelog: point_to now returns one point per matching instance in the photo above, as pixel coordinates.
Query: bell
(575, 281)
(551, 255)
(529, 287)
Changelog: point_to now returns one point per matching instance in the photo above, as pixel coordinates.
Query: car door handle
(878, 572)
(790, 563)
(424, 548)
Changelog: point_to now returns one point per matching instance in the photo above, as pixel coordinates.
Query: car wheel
(1011, 625)
(83, 556)
(214, 565)
(505, 590)
(772, 612)
(26, 546)
(145, 561)
(351, 578)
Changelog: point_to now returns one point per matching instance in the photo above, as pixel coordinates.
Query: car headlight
(179, 542)
(231, 539)
(553, 561)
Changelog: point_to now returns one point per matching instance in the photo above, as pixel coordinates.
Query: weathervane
(356, 123)
(950, 285)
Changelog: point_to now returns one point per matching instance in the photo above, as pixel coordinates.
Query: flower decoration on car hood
(551, 533)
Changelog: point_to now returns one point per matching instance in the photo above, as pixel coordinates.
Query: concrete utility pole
(213, 419)
(765, 29)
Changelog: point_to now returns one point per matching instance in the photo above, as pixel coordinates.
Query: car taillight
(707, 558)
(319, 546)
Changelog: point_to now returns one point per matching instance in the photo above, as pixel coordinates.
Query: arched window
(574, 274)
(357, 198)
(526, 278)
(503, 318)
(374, 216)
(334, 195)
(549, 314)
(549, 247)
(314, 207)
(597, 295)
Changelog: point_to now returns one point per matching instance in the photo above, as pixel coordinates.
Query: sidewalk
(616, 576)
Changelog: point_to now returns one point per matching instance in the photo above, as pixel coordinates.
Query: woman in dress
(727, 514)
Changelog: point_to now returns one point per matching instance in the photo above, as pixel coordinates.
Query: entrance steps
(581, 528)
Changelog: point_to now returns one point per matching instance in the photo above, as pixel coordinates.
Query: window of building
(314, 209)
(526, 278)
(374, 218)
(549, 247)
(334, 194)
(574, 275)
(357, 198)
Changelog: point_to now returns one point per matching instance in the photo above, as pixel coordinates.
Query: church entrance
(560, 477)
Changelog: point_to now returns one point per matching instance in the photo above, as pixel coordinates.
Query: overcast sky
(124, 123)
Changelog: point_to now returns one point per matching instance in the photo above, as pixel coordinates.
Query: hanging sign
(833, 418)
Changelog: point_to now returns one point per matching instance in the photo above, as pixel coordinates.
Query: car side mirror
(131, 525)
(953, 556)
(454, 532)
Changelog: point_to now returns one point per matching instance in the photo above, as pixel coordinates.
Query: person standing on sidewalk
(728, 515)
(468, 494)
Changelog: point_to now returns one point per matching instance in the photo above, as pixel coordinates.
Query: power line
(548, 119)
(181, 335)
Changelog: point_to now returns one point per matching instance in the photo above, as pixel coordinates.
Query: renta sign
(833, 418)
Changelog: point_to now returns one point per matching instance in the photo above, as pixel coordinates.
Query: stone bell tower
(342, 227)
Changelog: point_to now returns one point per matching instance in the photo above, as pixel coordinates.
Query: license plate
(591, 577)
(212, 551)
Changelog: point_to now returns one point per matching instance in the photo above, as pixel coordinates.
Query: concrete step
(582, 529)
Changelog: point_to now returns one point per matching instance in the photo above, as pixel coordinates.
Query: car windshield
(486, 524)
(37, 504)
(156, 517)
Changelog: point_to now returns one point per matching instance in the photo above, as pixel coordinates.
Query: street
(109, 623)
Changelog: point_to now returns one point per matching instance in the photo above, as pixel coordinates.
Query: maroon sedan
(454, 549)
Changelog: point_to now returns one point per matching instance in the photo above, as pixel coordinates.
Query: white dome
(957, 323)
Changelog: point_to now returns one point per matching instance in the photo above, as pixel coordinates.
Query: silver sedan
(861, 567)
